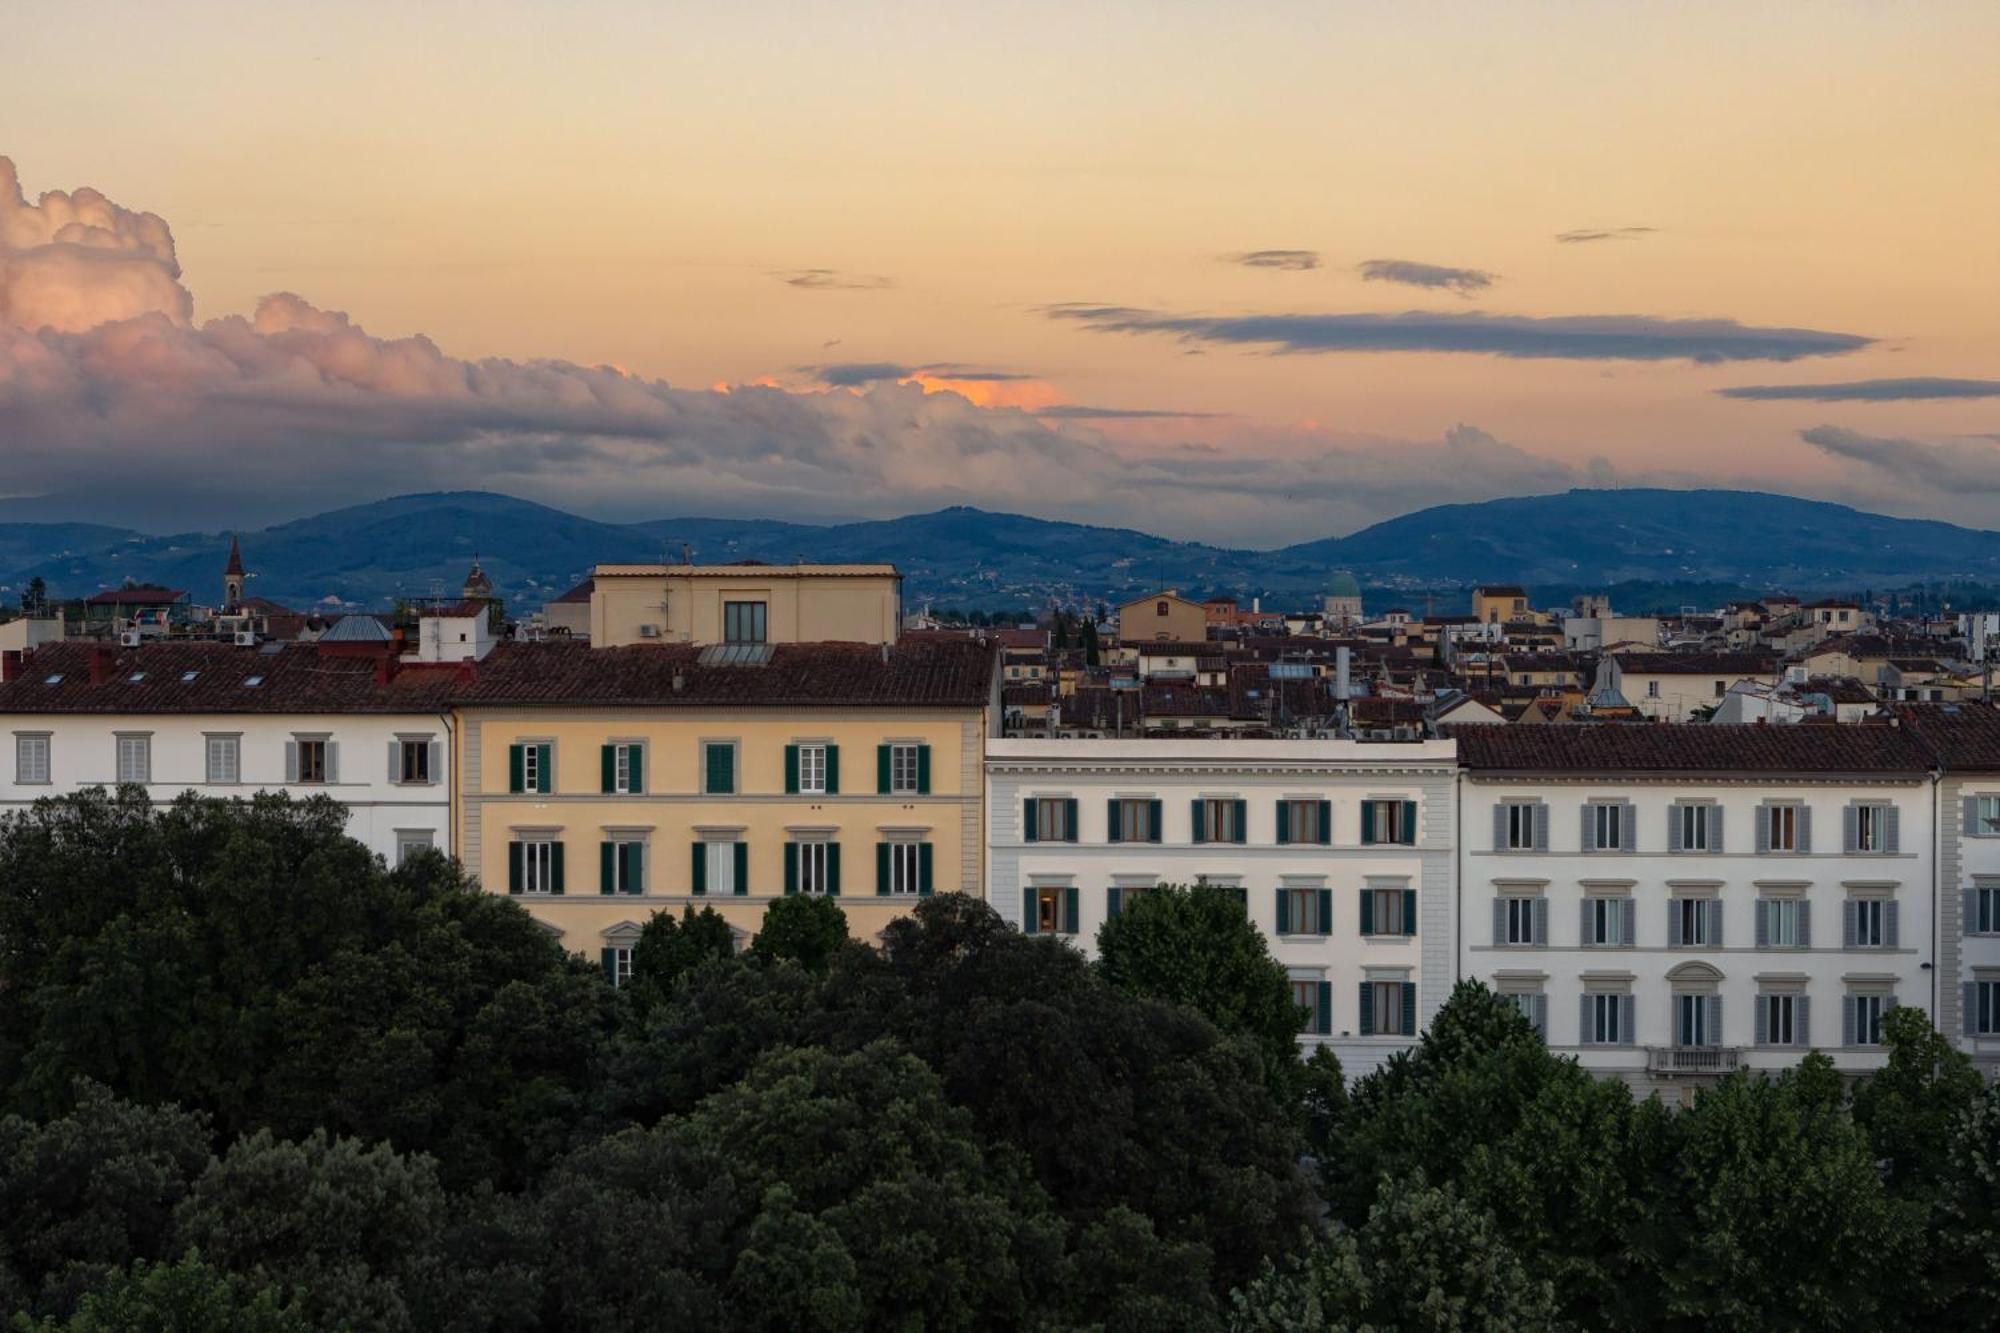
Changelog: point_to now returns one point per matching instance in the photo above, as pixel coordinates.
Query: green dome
(1343, 584)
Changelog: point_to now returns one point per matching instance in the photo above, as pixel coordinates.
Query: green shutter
(882, 769)
(1242, 821)
(833, 870)
(832, 770)
(1070, 910)
(515, 874)
(635, 769)
(1326, 821)
(1153, 811)
(923, 770)
(1409, 1008)
(608, 756)
(1284, 912)
(607, 867)
(741, 851)
(545, 771)
(924, 860)
(634, 855)
(1112, 831)
(721, 768)
(1367, 822)
(515, 758)
(1409, 911)
(791, 770)
(700, 868)
(609, 957)
(1365, 1022)
(1113, 902)
(556, 868)
(1326, 911)
(791, 867)
(1069, 809)
(1367, 912)
(1028, 830)
(1284, 822)
(1410, 822)
(881, 869)
(1323, 1019)
(1199, 817)
(1029, 919)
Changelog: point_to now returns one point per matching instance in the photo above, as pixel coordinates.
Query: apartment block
(747, 602)
(1342, 852)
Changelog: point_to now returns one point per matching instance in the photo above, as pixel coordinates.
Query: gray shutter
(1542, 1016)
(1500, 826)
(1541, 922)
(1760, 1027)
(1714, 909)
(1541, 827)
(1969, 819)
(1970, 910)
(1969, 1008)
(1892, 828)
(1284, 913)
(1583, 936)
(291, 761)
(1805, 828)
(1763, 917)
(1849, 834)
(1891, 933)
(1673, 923)
(1027, 819)
(1849, 927)
(1628, 827)
(1763, 836)
(1715, 839)
(1847, 1020)
(1713, 1004)
(437, 762)
(1499, 920)
(1583, 1034)
(1802, 1020)
(1584, 842)
(1674, 827)
(1628, 921)
(1627, 1017)
(332, 762)
(1805, 923)
(395, 761)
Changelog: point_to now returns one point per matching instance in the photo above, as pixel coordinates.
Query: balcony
(1710, 1061)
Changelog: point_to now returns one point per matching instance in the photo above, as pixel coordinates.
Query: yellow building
(600, 785)
(749, 602)
(1497, 604)
(1163, 616)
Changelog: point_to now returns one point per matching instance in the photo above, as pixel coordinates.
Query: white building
(1342, 851)
(1964, 743)
(339, 718)
(1670, 903)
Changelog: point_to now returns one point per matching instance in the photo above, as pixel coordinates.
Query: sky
(1251, 273)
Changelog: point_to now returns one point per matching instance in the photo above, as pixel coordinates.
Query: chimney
(11, 664)
(100, 663)
(680, 682)
(385, 668)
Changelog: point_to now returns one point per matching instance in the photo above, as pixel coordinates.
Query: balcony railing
(1693, 1059)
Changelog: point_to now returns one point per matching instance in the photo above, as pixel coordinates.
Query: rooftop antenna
(687, 554)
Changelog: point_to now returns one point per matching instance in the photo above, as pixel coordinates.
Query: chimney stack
(100, 663)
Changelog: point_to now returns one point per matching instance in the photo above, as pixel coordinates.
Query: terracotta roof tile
(1692, 748)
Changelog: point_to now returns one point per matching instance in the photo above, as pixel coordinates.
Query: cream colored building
(602, 785)
(744, 603)
(1165, 616)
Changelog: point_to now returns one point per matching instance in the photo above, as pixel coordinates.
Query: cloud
(1954, 467)
(1464, 281)
(1604, 234)
(72, 261)
(1289, 261)
(1079, 412)
(833, 280)
(1570, 337)
(1865, 391)
(854, 374)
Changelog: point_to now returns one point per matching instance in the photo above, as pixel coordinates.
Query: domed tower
(232, 580)
(1341, 605)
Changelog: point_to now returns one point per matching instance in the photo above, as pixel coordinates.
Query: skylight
(54, 680)
(187, 676)
(135, 677)
(252, 682)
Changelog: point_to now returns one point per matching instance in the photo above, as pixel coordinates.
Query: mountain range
(416, 545)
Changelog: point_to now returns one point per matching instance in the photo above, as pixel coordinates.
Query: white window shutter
(291, 761)
(1764, 827)
(332, 761)
(1715, 842)
(395, 761)
(1541, 827)
(1805, 828)
(437, 762)
(1892, 824)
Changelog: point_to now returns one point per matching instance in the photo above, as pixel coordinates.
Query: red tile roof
(135, 597)
(213, 678)
(1692, 748)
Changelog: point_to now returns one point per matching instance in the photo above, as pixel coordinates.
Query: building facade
(746, 603)
(600, 785)
(1669, 904)
(219, 720)
(1342, 852)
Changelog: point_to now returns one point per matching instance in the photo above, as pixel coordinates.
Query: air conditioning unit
(246, 638)
(649, 631)
(129, 639)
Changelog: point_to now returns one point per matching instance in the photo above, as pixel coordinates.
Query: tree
(669, 950)
(185, 1297)
(1198, 947)
(804, 928)
(1963, 1280)
(1912, 1108)
(1090, 648)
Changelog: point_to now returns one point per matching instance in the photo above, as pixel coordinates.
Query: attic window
(54, 680)
(252, 682)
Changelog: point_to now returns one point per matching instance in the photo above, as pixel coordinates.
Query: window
(1388, 911)
(1694, 923)
(721, 868)
(1388, 1008)
(622, 866)
(1982, 816)
(1523, 828)
(1783, 923)
(1781, 1020)
(812, 770)
(743, 622)
(1607, 923)
(413, 842)
(135, 758)
(1652, 689)
(1781, 828)
(1607, 1020)
(1982, 910)
(1305, 821)
(906, 769)
(1519, 920)
(223, 762)
(903, 869)
(1697, 1020)
(1695, 828)
(813, 868)
(718, 768)
(617, 964)
(531, 767)
(1134, 819)
(1982, 1008)
(535, 865)
(313, 758)
(1607, 827)
(1389, 822)
(31, 759)
(1871, 923)
(622, 768)
(1051, 910)
(1864, 1019)
(1050, 819)
(1305, 911)
(1871, 828)
(1159, 608)
(1218, 819)
(1314, 1000)
(413, 763)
